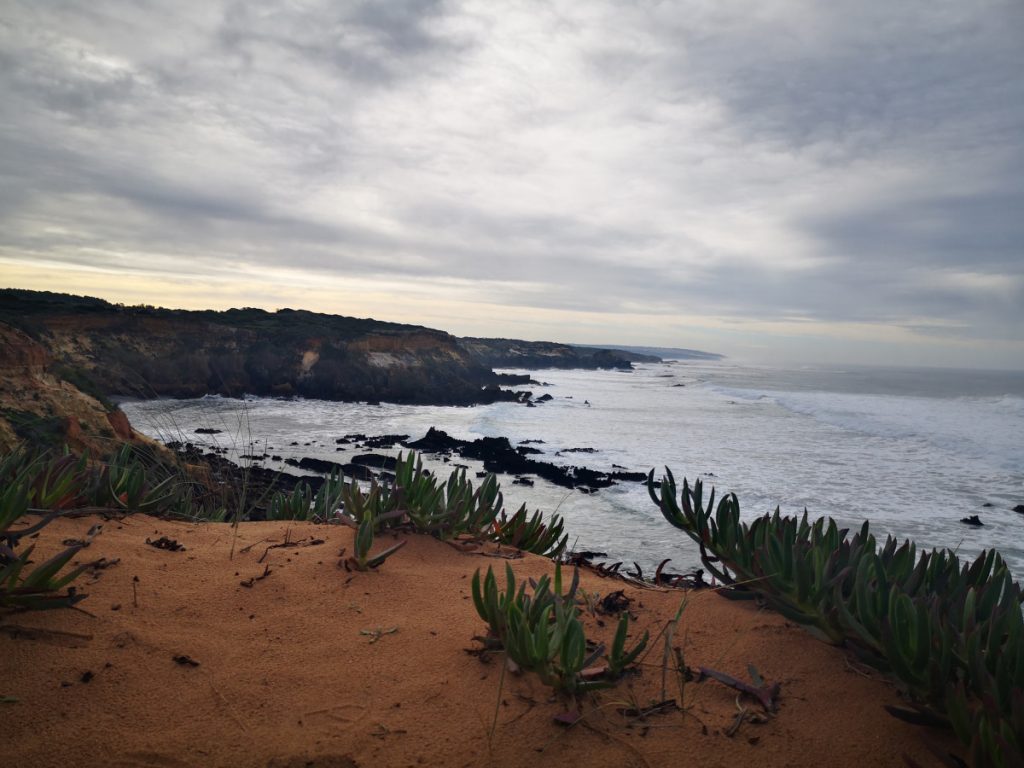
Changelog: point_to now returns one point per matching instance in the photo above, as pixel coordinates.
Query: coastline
(286, 677)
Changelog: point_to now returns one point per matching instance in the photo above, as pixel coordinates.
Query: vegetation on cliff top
(144, 351)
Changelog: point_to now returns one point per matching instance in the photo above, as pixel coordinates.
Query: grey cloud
(858, 72)
(876, 152)
(945, 228)
(367, 41)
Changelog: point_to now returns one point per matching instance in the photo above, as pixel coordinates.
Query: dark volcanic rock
(208, 431)
(250, 487)
(317, 465)
(375, 460)
(360, 472)
(512, 379)
(495, 394)
(499, 456)
(1019, 508)
(972, 520)
(436, 441)
(544, 398)
(635, 477)
(383, 441)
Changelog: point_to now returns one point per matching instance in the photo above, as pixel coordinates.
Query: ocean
(911, 450)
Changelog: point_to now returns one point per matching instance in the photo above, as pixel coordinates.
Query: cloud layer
(779, 178)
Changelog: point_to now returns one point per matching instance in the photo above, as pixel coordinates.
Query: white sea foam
(913, 455)
(979, 428)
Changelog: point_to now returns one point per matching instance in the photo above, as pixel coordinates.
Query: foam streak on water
(912, 451)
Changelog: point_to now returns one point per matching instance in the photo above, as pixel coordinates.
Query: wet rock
(499, 456)
(631, 477)
(511, 379)
(376, 460)
(316, 465)
(383, 441)
(208, 431)
(1019, 508)
(972, 520)
(436, 441)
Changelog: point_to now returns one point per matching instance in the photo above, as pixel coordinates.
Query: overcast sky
(836, 181)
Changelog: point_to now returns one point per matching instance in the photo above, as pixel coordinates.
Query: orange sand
(287, 677)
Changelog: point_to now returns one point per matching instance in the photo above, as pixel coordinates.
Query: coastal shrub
(531, 533)
(417, 499)
(540, 631)
(952, 633)
(446, 510)
(45, 431)
(296, 505)
(134, 481)
(84, 383)
(325, 506)
(619, 659)
(362, 561)
(455, 508)
(24, 483)
(329, 499)
(380, 505)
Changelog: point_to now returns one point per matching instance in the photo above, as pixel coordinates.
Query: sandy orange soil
(314, 666)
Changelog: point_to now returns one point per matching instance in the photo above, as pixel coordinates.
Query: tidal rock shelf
(501, 457)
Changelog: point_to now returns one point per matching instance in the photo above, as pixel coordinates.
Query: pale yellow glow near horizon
(448, 306)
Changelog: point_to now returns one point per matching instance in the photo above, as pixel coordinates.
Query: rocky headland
(109, 350)
(150, 352)
(515, 353)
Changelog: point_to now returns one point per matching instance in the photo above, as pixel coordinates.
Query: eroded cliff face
(107, 349)
(38, 407)
(146, 352)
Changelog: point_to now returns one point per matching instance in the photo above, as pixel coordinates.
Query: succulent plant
(23, 584)
(128, 482)
(329, 499)
(362, 561)
(531, 533)
(952, 633)
(541, 631)
(449, 509)
(619, 659)
(296, 505)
